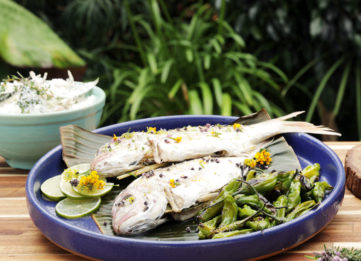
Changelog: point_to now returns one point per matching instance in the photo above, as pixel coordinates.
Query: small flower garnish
(202, 162)
(91, 182)
(173, 183)
(261, 159)
(215, 134)
(237, 126)
(152, 130)
(131, 199)
(115, 138)
(250, 163)
(178, 139)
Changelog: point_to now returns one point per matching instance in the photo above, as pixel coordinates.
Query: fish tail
(301, 126)
(80, 145)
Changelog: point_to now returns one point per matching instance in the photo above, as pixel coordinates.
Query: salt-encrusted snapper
(135, 150)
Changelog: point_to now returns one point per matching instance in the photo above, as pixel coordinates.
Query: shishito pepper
(312, 172)
(284, 180)
(294, 195)
(246, 211)
(301, 209)
(262, 184)
(281, 205)
(217, 205)
(258, 223)
(232, 233)
(206, 229)
(319, 191)
(253, 201)
(229, 212)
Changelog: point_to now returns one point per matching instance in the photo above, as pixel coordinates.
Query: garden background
(227, 57)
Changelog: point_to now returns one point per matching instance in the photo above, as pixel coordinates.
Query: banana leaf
(284, 159)
(26, 41)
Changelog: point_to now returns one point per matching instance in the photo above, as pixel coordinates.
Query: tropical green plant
(191, 64)
(26, 41)
(316, 41)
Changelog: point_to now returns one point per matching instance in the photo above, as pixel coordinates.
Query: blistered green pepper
(229, 212)
(258, 223)
(281, 205)
(251, 200)
(319, 191)
(312, 172)
(206, 229)
(294, 195)
(301, 209)
(246, 211)
(211, 212)
(251, 175)
(262, 184)
(229, 189)
(232, 233)
(284, 180)
(231, 227)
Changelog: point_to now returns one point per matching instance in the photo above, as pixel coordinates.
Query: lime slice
(97, 193)
(76, 208)
(66, 187)
(50, 188)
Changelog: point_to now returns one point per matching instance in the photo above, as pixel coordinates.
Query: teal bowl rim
(96, 91)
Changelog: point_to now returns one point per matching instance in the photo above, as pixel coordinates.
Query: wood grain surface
(21, 240)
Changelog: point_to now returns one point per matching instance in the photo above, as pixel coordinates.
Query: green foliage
(316, 41)
(192, 64)
(27, 41)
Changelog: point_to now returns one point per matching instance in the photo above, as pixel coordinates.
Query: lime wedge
(97, 193)
(76, 208)
(50, 188)
(65, 186)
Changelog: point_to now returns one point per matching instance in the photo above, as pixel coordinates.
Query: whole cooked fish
(138, 149)
(141, 206)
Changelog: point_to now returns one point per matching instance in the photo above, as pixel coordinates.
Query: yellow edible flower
(263, 157)
(237, 126)
(151, 130)
(91, 182)
(172, 183)
(178, 139)
(115, 138)
(250, 162)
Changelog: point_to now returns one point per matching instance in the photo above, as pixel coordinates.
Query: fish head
(138, 210)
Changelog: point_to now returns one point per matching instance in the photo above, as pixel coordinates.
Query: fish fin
(301, 126)
(289, 116)
(174, 201)
(80, 145)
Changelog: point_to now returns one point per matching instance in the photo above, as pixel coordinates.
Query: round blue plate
(81, 236)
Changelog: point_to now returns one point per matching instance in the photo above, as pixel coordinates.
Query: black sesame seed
(166, 141)
(184, 177)
(105, 223)
(199, 168)
(192, 168)
(145, 203)
(161, 175)
(217, 160)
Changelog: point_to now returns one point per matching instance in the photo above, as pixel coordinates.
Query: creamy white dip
(36, 94)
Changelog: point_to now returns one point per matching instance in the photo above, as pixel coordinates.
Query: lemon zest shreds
(91, 182)
(151, 130)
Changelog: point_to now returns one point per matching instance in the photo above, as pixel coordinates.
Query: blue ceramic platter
(81, 236)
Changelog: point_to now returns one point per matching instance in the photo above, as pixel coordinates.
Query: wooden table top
(21, 240)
